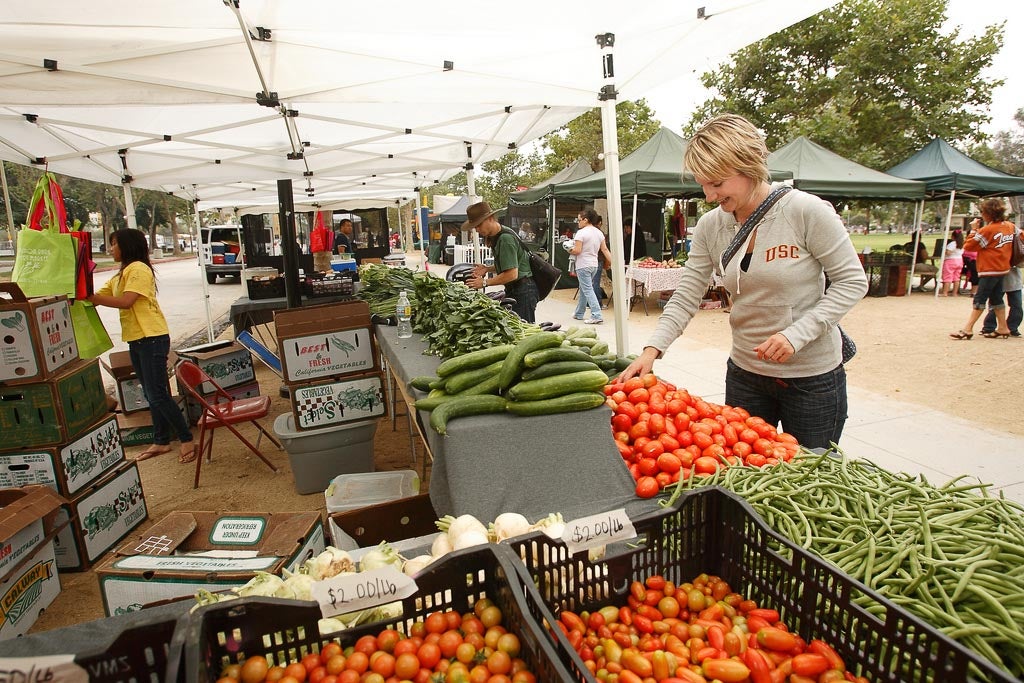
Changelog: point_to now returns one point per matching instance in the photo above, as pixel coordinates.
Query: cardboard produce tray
(286, 630)
(714, 531)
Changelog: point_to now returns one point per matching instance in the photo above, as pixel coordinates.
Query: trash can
(449, 256)
(317, 456)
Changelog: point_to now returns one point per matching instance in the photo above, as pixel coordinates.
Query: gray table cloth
(489, 464)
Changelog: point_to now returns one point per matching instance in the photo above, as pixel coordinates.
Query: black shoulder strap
(748, 225)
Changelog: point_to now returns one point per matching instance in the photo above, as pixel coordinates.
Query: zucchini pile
(545, 373)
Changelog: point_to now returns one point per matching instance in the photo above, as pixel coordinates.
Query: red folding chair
(221, 410)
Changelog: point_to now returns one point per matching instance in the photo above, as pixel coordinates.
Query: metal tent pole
(945, 239)
(7, 205)
(286, 212)
(202, 268)
(607, 95)
(129, 206)
(633, 240)
(918, 211)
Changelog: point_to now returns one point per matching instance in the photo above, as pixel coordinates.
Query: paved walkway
(899, 436)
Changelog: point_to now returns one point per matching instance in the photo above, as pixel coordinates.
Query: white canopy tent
(220, 99)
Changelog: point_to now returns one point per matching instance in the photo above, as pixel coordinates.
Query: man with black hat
(511, 262)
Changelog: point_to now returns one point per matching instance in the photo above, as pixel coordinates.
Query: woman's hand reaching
(642, 365)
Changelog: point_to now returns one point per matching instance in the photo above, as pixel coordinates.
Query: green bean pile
(953, 555)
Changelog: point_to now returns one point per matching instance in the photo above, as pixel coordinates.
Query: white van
(225, 240)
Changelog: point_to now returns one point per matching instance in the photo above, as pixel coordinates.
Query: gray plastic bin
(317, 456)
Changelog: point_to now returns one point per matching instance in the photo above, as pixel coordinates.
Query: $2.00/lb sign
(363, 590)
(597, 530)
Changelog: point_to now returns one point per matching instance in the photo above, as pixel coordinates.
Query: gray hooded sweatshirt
(799, 242)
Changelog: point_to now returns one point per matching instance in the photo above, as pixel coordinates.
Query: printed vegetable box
(67, 469)
(228, 363)
(55, 411)
(28, 570)
(100, 517)
(322, 342)
(36, 336)
(188, 551)
(334, 403)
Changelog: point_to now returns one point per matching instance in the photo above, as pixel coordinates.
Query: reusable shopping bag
(47, 255)
(90, 334)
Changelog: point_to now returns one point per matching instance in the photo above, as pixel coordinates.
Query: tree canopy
(872, 80)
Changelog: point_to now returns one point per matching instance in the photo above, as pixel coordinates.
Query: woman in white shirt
(953, 264)
(588, 242)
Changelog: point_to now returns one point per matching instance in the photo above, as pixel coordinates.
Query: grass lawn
(882, 241)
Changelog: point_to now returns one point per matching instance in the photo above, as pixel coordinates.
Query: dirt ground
(904, 353)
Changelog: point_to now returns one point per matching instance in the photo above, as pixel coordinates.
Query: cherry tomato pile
(664, 434)
(695, 633)
(446, 647)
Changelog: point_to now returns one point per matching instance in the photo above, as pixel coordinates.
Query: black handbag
(545, 275)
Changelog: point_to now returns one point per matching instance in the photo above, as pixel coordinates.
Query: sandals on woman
(995, 335)
(961, 335)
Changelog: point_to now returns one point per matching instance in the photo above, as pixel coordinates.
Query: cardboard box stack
(188, 551)
(229, 364)
(58, 432)
(331, 364)
(28, 570)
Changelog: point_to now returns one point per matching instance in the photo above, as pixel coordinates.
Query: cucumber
(488, 386)
(422, 382)
(437, 392)
(468, 378)
(514, 360)
(623, 363)
(584, 342)
(569, 403)
(605, 364)
(432, 402)
(461, 406)
(586, 333)
(538, 358)
(600, 348)
(474, 359)
(559, 368)
(559, 385)
(612, 373)
(437, 383)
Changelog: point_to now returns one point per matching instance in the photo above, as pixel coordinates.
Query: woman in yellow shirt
(143, 326)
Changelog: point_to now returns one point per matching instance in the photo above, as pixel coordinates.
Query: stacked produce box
(58, 432)
(332, 367)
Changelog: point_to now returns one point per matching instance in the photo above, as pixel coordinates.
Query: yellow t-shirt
(144, 318)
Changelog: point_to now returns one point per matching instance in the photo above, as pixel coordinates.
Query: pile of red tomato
(695, 633)
(445, 647)
(664, 434)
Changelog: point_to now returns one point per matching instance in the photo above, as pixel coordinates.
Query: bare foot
(152, 452)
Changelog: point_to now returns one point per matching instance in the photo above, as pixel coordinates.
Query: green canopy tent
(947, 172)
(822, 172)
(538, 204)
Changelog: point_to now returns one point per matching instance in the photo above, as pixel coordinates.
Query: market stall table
(490, 464)
(652, 280)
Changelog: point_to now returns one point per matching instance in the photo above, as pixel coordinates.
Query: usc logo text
(782, 251)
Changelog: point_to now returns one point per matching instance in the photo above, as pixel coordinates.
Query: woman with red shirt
(994, 243)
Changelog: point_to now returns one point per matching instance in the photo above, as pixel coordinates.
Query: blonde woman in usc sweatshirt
(785, 365)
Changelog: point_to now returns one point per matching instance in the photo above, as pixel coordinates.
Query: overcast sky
(674, 103)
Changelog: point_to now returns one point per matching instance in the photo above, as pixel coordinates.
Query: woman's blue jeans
(588, 297)
(149, 358)
(813, 409)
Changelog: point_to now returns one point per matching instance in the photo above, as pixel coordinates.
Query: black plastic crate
(878, 280)
(269, 288)
(876, 258)
(286, 630)
(127, 648)
(714, 531)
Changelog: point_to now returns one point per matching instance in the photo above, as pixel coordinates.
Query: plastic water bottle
(404, 311)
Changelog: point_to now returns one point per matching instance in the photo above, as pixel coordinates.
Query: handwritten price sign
(45, 669)
(597, 530)
(354, 592)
